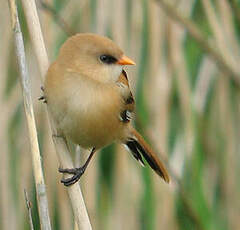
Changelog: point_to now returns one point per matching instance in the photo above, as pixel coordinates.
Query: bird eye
(108, 59)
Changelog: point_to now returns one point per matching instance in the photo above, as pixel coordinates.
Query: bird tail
(139, 147)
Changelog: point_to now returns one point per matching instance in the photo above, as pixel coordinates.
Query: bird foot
(77, 173)
(42, 98)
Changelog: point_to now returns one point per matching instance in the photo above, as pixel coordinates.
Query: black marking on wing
(125, 116)
(124, 74)
(130, 99)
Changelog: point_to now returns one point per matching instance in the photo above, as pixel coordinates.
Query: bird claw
(77, 173)
(42, 98)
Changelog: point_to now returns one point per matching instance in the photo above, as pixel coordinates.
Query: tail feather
(131, 146)
(138, 147)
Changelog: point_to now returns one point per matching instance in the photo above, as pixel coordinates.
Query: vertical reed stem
(74, 191)
(28, 107)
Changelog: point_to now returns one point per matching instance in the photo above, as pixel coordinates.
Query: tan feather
(150, 156)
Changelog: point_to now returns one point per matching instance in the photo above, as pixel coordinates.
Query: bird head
(94, 56)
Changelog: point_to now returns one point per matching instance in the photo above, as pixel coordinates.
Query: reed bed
(186, 85)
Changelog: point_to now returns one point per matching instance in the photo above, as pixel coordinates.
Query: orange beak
(124, 60)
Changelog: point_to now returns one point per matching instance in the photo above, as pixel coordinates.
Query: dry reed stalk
(226, 40)
(183, 85)
(71, 8)
(235, 9)
(29, 208)
(228, 26)
(220, 37)
(102, 17)
(90, 188)
(56, 195)
(60, 21)
(65, 214)
(74, 191)
(36, 159)
(228, 130)
(178, 66)
(123, 216)
(186, 143)
(158, 85)
(221, 60)
(119, 25)
(205, 76)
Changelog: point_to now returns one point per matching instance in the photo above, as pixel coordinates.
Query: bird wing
(136, 144)
(126, 92)
(129, 104)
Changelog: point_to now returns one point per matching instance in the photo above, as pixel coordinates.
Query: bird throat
(114, 72)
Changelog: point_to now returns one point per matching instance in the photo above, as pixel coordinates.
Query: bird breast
(86, 111)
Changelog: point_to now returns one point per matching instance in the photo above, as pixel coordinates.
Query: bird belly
(93, 120)
(90, 132)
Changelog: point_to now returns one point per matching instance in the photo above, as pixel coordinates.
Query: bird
(87, 93)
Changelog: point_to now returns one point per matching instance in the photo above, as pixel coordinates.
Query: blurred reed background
(186, 84)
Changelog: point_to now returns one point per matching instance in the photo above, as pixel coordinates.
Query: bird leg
(77, 172)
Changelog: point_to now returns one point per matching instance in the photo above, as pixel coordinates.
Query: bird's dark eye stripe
(108, 59)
